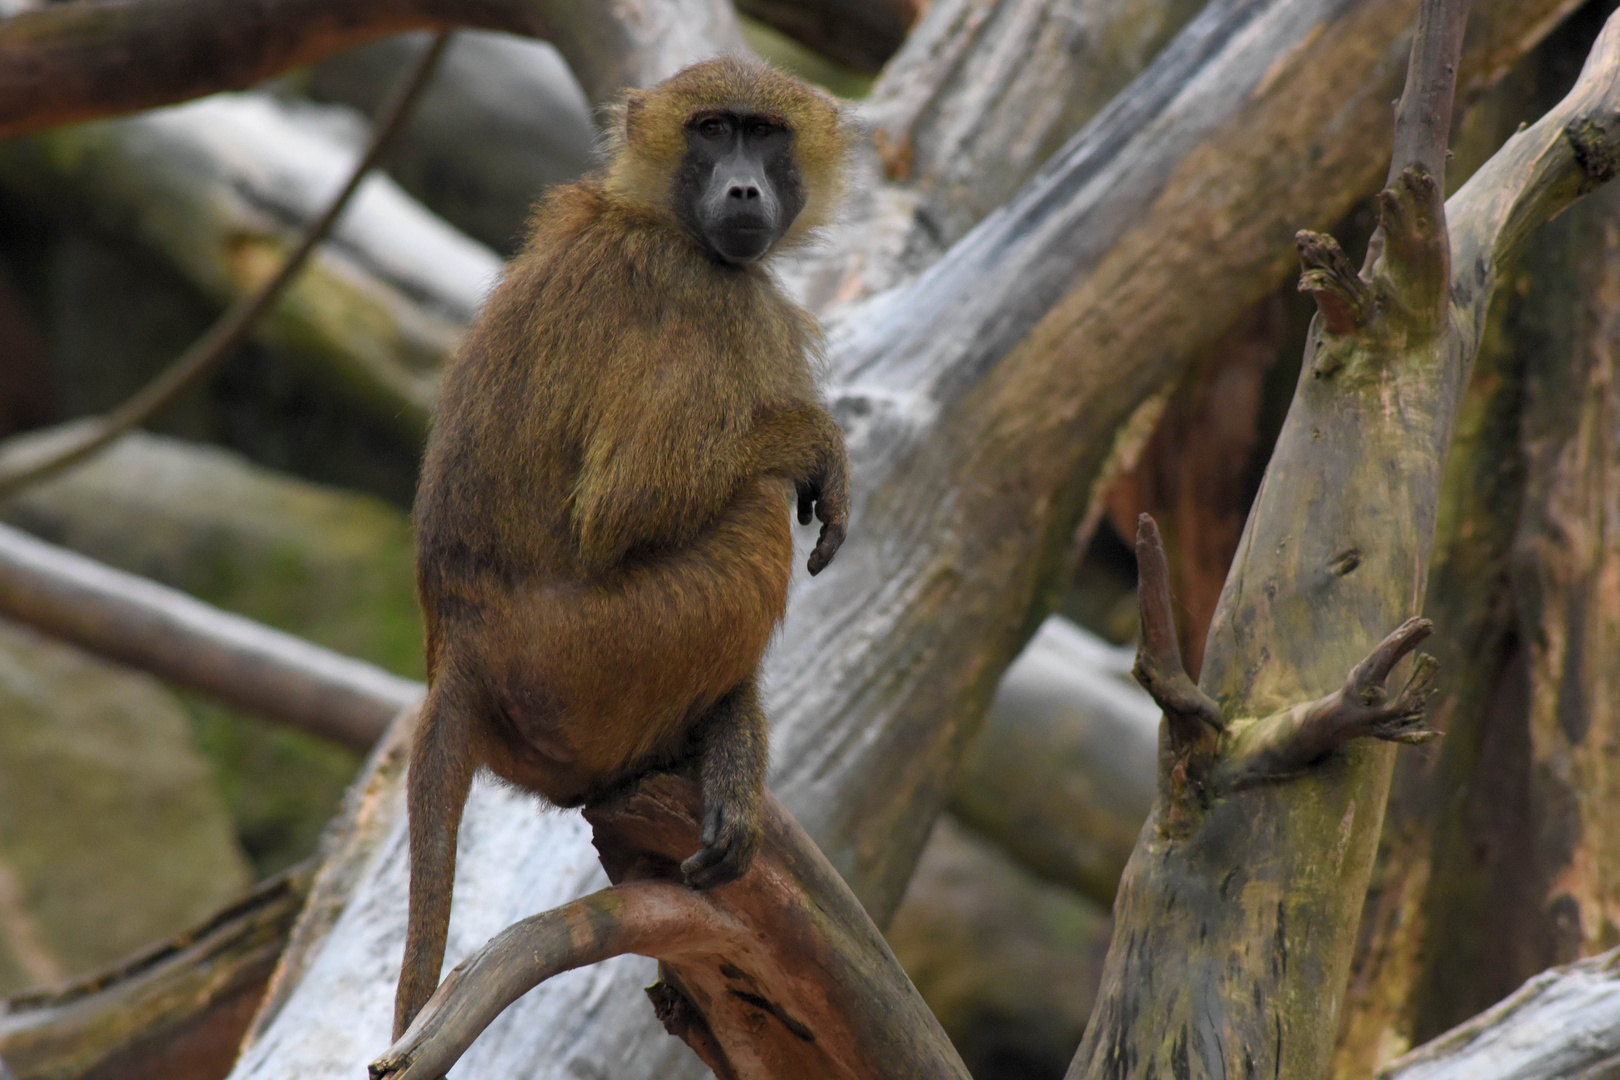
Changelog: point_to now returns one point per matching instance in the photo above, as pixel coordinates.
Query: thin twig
(232, 327)
(1190, 712)
(1423, 114)
(1286, 743)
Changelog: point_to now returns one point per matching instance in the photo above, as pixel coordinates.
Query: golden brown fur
(603, 519)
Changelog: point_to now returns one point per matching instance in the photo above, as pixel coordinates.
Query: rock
(113, 835)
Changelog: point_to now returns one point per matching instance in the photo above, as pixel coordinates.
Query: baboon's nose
(744, 192)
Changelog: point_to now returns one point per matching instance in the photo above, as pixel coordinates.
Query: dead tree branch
(166, 632)
(1192, 716)
(1287, 743)
(232, 327)
(1562, 1024)
(176, 1010)
(777, 976)
(60, 65)
(966, 375)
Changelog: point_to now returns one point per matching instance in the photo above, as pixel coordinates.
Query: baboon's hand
(830, 497)
(730, 837)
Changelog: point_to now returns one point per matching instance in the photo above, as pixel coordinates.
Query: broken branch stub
(1191, 716)
(1201, 764)
(1237, 913)
(776, 976)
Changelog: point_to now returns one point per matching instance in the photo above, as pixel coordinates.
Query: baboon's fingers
(730, 845)
(827, 545)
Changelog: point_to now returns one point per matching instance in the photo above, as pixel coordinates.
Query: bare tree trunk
(1566, 576)
(1462, 908)
(1236, 918)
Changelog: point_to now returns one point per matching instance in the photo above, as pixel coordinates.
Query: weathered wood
(1562, 1025)
(164, 631)
(976, 437)
(1062, 775)
(1566, 580)
(223, 187)
(1236, 917)
(232, 327)
(175, 1012)
(780, 974)
(1434, 928)
(861, 34)
(61, 65)
(979, 96)
(503, 120)
(1454, 919)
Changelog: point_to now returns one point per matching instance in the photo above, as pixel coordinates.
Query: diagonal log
(1237, 913)
(1562, 1024)
(60, 65)
(776, 976)
(139, 622)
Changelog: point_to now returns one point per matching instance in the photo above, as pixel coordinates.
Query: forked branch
(1191, 714)
(779, 975)
(1288, 742)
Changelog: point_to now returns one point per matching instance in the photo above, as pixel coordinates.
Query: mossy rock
(113, 835)
(331, 566)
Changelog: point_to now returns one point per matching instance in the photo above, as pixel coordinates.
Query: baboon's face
(738, 188)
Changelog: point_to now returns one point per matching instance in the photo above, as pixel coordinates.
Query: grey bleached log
(1564, 1024)
(1062, 774)
(979, 95)
(61, 65)
(222, 186)
(166, 632)
(981, 404)
(502, 120)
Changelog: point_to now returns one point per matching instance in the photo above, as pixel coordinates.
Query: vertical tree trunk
(1462, 908)
(1237, 913)
(1567, 582)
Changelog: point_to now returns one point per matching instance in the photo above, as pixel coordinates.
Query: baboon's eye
(761, 129)
(712, 128)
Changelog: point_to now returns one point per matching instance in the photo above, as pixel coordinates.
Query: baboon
(603, 533)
